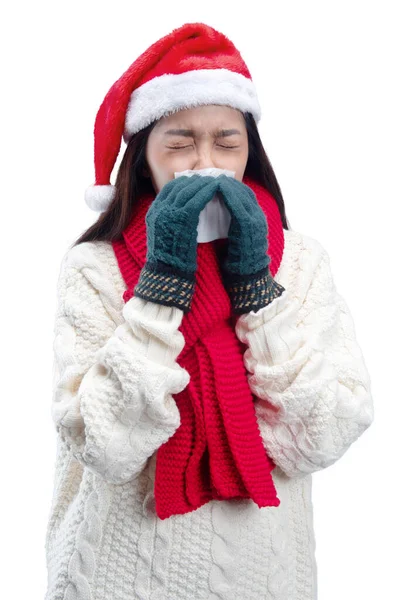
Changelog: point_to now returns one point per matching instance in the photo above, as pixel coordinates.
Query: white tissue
(215, 218)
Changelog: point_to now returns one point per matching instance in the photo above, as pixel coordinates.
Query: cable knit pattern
(306, 367)
(99, 401)
(115, 374)
(223, 550)
(82, 563)
(151, 569)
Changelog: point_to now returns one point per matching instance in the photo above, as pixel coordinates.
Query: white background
(327, 75)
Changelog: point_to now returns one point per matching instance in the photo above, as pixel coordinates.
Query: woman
(197, 385)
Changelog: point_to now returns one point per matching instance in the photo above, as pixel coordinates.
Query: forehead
(209, 118)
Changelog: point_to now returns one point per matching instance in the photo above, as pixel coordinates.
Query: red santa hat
(192, 66)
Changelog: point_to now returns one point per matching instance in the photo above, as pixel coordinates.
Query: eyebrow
(191, 132)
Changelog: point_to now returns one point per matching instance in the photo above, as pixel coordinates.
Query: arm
(112, 401)
(307, 369)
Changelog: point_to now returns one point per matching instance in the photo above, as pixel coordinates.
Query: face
(197, 138)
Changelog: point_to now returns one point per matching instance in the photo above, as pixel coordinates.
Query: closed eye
(182, 147)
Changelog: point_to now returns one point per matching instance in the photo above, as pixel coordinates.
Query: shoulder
(96, 255)
(94, 264)
(303, 258)
(296, 243)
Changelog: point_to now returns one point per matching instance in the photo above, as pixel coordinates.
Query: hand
(245, 270)
(168, 276)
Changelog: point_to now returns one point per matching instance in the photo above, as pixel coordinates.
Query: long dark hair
(131, 183)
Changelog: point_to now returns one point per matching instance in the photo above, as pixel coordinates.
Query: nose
(204, 163)
(204, 159)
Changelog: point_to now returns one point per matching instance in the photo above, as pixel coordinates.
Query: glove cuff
(163, 284)
(251, 292)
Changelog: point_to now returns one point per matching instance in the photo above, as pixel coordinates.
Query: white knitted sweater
(115, 374)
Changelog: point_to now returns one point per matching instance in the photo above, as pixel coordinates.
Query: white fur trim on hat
(170, 93)
(99, 197)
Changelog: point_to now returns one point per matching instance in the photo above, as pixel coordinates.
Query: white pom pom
(99, 197)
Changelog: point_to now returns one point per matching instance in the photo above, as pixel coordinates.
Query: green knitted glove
(168, 276)
(245, 271)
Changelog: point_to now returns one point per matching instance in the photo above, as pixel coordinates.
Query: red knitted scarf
(217, 451)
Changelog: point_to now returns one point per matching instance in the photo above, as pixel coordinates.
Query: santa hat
(192, 66)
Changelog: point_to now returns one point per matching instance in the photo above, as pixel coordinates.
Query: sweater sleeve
(307, 371)
(112, 388)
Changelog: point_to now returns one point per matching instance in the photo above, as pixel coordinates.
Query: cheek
(164, 162)
(158, 164)
(163, 166)
(243, 161)
(235, 161)
(176, 161)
